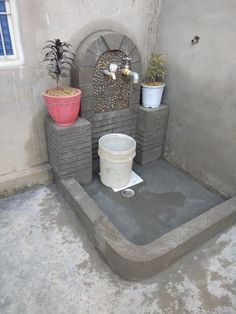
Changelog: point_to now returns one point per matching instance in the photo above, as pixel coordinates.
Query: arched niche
(87, 55)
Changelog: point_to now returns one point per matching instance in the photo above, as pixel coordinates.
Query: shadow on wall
(35, 147)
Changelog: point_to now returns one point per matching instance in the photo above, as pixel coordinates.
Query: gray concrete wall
(22, 139)
(201, 89)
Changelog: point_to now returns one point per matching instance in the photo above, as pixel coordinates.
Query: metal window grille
(7, 45)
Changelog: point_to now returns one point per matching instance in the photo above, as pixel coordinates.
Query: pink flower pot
(63, 110)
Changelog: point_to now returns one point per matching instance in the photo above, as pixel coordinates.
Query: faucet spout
(111, 74)
(134, 75)
(112, 71)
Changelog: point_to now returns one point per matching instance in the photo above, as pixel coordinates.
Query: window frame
(17, 58)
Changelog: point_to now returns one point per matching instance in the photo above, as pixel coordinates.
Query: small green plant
(156, 68)
(58, 58)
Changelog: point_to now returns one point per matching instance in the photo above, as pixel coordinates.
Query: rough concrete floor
(48, 265)
(165, 200)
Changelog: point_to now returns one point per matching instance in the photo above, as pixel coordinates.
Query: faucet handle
(113, 67)
(127, 58)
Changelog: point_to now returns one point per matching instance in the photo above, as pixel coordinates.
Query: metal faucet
(127, 72)
(112, 71)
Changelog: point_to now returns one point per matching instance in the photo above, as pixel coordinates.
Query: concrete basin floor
(165, 200)
(48, 265)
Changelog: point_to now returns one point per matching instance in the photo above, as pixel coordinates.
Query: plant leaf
(52, 75)
(59, 58)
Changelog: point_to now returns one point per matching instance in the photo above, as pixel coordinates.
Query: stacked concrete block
(122, 121)
(151, 128)
(70, 150)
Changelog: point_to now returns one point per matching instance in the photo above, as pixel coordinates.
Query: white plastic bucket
(151, 95)
(116, 152)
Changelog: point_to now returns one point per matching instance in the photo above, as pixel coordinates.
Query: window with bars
(10, 49)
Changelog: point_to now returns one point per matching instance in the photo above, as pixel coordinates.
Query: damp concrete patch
(136, 262)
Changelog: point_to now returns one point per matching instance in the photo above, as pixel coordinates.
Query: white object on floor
(134, 179)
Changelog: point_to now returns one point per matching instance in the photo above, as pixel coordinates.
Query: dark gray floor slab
(165, 200)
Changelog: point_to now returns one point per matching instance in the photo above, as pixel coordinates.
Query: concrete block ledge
(21, 180)
(134, 262)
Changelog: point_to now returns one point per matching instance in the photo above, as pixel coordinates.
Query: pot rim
(67, 96)
(144, 84)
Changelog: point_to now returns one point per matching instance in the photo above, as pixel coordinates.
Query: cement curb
(134, 262)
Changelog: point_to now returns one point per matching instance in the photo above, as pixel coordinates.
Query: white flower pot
(151, 95)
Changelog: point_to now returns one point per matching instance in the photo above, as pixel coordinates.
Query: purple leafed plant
(59, 59)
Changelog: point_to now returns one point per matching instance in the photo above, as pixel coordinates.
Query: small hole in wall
(195, 40)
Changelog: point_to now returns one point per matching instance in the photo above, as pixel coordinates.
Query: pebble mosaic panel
(109, 94)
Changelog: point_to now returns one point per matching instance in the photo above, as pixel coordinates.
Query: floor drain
(128, 193)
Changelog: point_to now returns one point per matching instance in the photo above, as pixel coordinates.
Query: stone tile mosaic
(109, 94)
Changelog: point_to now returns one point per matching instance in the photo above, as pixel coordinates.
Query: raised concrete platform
(166, 199)
(136, 262)
(48, 265)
